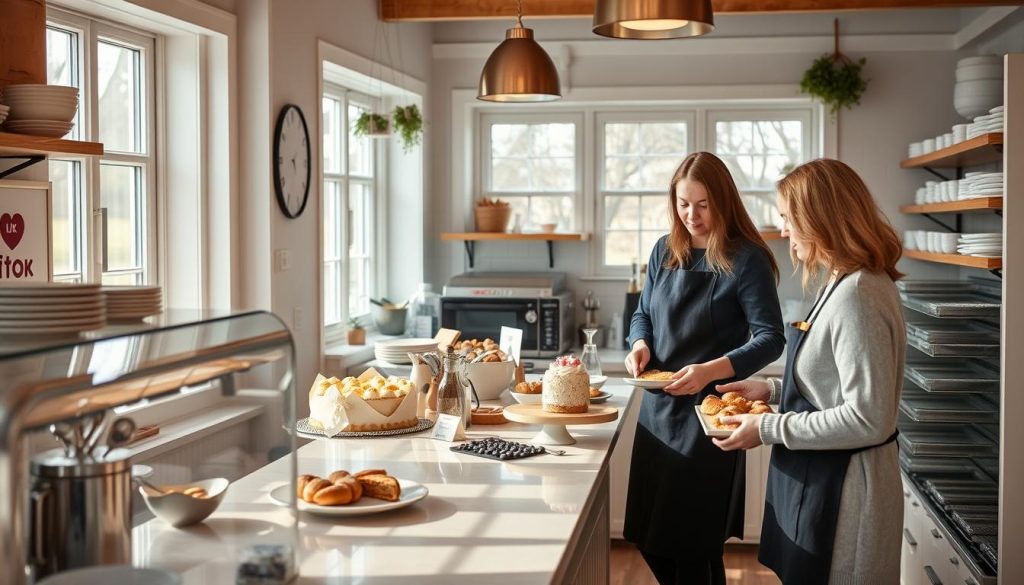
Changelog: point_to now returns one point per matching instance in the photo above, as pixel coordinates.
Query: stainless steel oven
(479, 305)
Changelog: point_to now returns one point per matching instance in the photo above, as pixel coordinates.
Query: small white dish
(600, 398)
(648, 384)
(412, 492)
(598, 381)
(107, 574)
(522, 398)
(180, 510)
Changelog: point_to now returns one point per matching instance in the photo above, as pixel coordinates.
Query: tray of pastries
(713, 407)
(342, 493)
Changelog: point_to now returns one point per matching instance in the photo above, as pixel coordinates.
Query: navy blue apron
(685, 495)
(804, 487)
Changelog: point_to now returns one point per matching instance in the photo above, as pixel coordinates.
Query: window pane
(641, 156)
(510, 140)
(647, 241)
(510, 174)
(332, 135)
(654, 213)
(121, 195)
(332, 292)
(622, 212)
(553, 174)
(360, 202)
(757, 151)
(360, 154)
(533, 157)
(556, 210)
(62, 66)
(121, 279)
(358, 285)
(65, 177)
(333, 221)
(620, 248)
(121, 115)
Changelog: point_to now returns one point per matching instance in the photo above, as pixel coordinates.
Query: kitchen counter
(537, 520)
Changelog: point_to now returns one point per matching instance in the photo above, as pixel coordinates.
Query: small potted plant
(409, 125)
(370, 124)
(356, 333)
(835, 79)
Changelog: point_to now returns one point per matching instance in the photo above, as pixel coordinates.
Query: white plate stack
(990, 122)
(40, 110)
(979, 85)
(50, 308)
(986, 245)
(980, 184)
(395, 351)
(4, 110)
(130, 303)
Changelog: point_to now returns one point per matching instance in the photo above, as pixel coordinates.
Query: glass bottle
(426, 312)
(451, 391)
(589, 358)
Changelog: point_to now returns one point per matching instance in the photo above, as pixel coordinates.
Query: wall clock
(291, 161)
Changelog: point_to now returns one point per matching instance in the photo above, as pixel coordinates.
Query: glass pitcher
(589, 358)
(455, 392)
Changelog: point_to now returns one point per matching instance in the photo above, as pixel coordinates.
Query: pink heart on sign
(11, 229)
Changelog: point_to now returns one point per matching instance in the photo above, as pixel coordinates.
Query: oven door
(483, 318)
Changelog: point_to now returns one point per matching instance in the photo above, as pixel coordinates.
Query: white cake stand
(554, 432)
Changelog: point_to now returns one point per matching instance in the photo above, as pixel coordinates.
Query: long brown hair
(833, 211)
(730, 224)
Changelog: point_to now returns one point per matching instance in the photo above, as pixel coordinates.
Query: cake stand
(554, 432)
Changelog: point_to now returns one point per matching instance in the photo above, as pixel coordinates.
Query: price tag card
(448, 427)
(511, 342)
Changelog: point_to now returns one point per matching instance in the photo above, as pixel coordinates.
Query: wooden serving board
(533, 414)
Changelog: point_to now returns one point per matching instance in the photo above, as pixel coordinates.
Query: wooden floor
(741, 566)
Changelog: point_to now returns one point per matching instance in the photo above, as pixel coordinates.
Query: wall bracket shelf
(469, 240)
(29, 160)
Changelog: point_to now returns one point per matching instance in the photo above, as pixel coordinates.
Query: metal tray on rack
(936, 286)
(931, 466)
(957, 304)
(970, 376)
(944, 440)
(976, 524)
(990, 465)
(953, 349)
(966, 495)
(925, 407)
(990, 430)
(933, 330)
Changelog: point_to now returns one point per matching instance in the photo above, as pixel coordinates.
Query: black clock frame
(277, 154)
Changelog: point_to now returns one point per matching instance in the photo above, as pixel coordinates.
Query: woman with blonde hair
(709, 312)
(834, 508)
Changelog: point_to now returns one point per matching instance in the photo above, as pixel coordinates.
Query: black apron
(685, 495)
(804, 487)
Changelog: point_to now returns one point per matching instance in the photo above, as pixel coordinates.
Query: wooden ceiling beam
(440, 10)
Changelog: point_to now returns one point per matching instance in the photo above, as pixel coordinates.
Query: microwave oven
(547, 322)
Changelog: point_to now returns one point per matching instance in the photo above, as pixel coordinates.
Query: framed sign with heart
(25, 242)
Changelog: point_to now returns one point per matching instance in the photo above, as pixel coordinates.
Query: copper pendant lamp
(519, 70)
(653, 19)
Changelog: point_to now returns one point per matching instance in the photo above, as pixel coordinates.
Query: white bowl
(979, 71)
(908, 240)
(40, 90)
(527, 398)
(490, 379)
(109, 574)
(548, 228)
(921, 237)
(979, 59)
(598, 381)
(40, 110)
(180, 510)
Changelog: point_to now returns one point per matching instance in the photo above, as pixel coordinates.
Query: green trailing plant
(353, 323)
(409, 124)
(369, 123)
(835, 80)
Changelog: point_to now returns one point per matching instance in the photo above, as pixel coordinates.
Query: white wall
(909, 97)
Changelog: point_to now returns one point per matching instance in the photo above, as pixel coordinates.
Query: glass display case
(186, 397)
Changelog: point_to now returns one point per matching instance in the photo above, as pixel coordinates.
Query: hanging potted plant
(372, 125)
(835, 79)
(409, 125)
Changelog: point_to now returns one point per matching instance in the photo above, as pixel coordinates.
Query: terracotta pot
(357, 336)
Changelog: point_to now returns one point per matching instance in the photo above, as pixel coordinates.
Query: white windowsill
(343, 355)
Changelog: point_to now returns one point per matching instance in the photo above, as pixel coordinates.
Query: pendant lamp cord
(519, 13)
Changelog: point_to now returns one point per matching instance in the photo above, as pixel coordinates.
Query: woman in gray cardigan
(834, 507)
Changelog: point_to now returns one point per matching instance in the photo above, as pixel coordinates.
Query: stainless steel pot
(81, 512)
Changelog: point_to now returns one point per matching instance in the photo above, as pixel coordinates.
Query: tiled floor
(741, 566)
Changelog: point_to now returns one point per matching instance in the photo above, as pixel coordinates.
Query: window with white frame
(534, 163)
(351, 168)
(639, 154)
(103, 207)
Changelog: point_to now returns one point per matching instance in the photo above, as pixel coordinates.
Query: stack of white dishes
(984, 124)
(979, 85)
(50, 308)
(395, 351)
(980, 184)
(40, 110)
(934, 242)
(129, 303)
(986, 245)
(4, 110)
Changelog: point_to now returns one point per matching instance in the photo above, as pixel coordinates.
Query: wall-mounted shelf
(956, 259)
(980, 150)
(771, 235)
(469, 239)
(36, 148)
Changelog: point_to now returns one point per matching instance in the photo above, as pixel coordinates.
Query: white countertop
(482, 518)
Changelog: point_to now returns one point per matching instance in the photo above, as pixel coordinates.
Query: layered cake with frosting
(566, 387)
(370, 402)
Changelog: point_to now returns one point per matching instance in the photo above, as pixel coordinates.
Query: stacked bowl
(40, 110)
(979, 85)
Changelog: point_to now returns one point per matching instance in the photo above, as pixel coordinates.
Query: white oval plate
(600, 398)
(523, 398)
(650, 384)
(412, 492)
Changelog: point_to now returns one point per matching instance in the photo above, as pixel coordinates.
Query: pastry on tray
(730, 404)
(342, 488)
(535, 387)
(655, 375)
(370, 402)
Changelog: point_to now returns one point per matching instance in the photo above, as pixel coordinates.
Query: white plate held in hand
(412, 492)
(649, 384)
